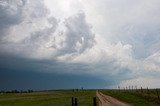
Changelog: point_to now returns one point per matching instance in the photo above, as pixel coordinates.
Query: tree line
(17, 91)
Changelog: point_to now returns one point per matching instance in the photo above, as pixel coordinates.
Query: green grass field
(85, 98)
(137, 98)
(50, 98)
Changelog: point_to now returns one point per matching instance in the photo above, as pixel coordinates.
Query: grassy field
(85, 98)
(50, 98)
(136, 97)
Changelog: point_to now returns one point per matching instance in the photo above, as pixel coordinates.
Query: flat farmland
(138, 97)
(47, 98)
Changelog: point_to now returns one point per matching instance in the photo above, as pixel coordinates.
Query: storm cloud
(116, 41)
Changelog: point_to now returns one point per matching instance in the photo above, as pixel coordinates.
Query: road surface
(105, 100)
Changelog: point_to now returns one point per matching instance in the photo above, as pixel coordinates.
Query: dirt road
(105, 100)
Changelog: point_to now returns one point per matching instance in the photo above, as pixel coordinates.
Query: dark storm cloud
(31, 33)
(28, 29)
(21, 73)
(125, 44)
(24, 80)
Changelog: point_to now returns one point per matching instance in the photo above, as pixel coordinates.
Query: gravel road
(105, 100)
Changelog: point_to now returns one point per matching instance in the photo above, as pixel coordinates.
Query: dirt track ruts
(105, 100)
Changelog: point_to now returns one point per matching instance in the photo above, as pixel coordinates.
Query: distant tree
(14, 91)
(22, 91)
(73, 90)
(2, 91)
(30, 91)
(82, 88)
(8, 92)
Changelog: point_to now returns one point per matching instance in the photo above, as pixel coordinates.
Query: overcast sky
(51, 44)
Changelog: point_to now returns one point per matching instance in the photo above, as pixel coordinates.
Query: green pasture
(85, 97)
(47, 98)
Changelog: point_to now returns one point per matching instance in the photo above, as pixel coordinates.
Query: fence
(149, 94)
(74, 101)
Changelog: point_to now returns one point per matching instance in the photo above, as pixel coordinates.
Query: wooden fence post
(119, 88)
(148, 92)
(136, 88)
(157, 93)
(72, 101)
(75, 101)
(141, 90)
(94, 101)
